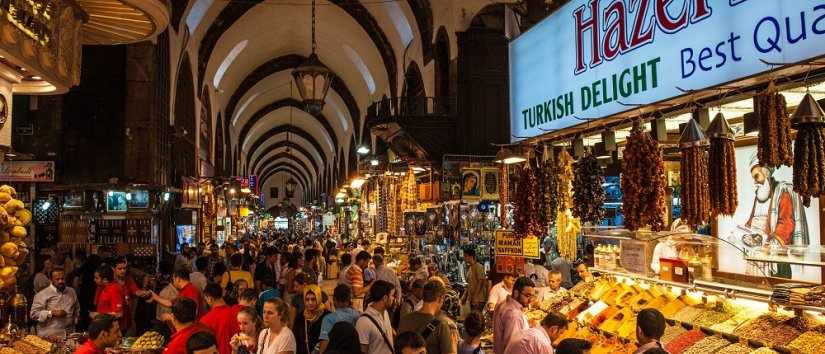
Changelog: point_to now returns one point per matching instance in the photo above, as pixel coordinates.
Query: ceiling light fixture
(508, 157)
(312, 77)
(362, 150)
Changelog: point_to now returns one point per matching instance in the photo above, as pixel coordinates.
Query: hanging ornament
(809, 150)
(694, 176)
(721, 167)
(643, 182)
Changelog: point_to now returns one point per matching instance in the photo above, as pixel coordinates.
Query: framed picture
(116, 202)
(471, 184)
(139, 199)
(73, 200)
(489, 183)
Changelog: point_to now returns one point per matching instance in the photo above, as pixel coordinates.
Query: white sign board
(591, 56)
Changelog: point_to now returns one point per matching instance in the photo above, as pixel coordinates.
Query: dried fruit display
(681, 343)
(588, 193)
(643, 182)
(736, 348)
(810, 342)
(774, 145)
(688, 314)
(708, 345)
(722, 168)
(694, 176)
(809, 151)
(504, 194)
(764, 350)
(671, 333)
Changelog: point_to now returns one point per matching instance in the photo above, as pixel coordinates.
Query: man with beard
(777, 216)
(55, 307)
(375, 332)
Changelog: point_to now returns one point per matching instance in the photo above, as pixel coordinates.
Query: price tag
(530, 247)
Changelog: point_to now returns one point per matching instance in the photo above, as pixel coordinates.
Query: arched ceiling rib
(300, 119)
(318, 165)
(295, 162)
(274, 131)
(288, 103)
(279, 140)
(288, 172)
(287, 156)
(287, 63)
(424, 20)
(231, 13)
(302, 175)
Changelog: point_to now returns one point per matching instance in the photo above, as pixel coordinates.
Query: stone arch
(183, 149)
(220, 160)
(414, 95)
(442, 71)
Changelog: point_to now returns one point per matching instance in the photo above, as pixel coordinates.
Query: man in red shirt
(109, 295)
(221, 318)
(104, 333)
(130, 291)
(184, 312)
(185, 290)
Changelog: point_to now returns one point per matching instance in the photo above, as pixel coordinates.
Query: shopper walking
(439, 332)
(307, 324)
(355, 279)
(342, 300)
(109, 295)
(538, 340)
(650, 326)
(276, 338)
(246, 340)
(184, 314)
(476, 294)
(500, 291)
(374, 327)
(343, 339)
(104, 333)
(509, 318)
(55, 308)
(221, 318)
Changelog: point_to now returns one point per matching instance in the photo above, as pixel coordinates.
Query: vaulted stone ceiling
(243, 51)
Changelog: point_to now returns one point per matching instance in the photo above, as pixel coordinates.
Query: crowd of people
(267, 298)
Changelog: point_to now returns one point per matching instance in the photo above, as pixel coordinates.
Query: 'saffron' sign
(593, 57)
(27, 171)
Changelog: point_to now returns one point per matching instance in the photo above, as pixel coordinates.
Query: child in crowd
(474, 328)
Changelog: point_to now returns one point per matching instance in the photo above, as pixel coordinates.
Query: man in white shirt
(374, 327)
(538, 340)
(382, 272)
(500, 291)
(536, 271)
(55, 307)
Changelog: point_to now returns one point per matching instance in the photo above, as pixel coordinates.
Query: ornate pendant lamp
(312, 77)
(290, 187)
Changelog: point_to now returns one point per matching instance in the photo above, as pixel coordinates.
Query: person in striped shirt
(355, 279)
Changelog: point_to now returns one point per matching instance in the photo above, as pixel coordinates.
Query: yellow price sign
(508, 244)
(531, 247)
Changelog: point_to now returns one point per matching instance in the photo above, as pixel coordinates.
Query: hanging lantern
(312, 77)
(290, 187)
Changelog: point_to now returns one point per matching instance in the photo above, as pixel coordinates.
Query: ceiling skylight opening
(196, 14)
(339, 113)
(243, 108)
(228, 61)
(399, 21)
(362, 68)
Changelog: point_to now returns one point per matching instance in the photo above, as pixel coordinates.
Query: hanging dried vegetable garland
(774, 145)
(409, 192)
(809, 150)
(643, 182)
(722, 168)
(540, 220)
(588, 193)
(551, 191)
(526, 214)
(694, 176)
(567, 226)
(503, 194)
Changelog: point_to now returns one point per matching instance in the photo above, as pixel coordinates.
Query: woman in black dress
(307, 325)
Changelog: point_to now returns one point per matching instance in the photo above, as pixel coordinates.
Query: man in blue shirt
(271, 292)
(342, 299)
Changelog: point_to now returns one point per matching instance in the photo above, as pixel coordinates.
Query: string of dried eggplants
(694, 194)
(503, 194)
(551, 191)
(809, 162)
(722, 176)
(526, 213)
(588, 193)
(774, 144)
(643, 182)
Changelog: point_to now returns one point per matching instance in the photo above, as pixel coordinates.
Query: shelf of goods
(703, 317)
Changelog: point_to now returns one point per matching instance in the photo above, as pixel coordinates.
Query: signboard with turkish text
(508, 244)
(27, 171)
(596, 58)
(530, 247)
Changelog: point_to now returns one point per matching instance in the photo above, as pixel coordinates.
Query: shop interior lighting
(362, 150)
(128, 196)
(232, 191)
(418, 169)
(111, 193)
(508, 157)
(340, 195)
(358, 182)
(374, 162)
(246, 190)
(46, 205)
(165, 196)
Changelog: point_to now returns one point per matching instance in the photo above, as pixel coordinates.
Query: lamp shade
(290, 187)
(719, 128)
(692, 135)
(808, 112)
(313, 80)
(508, 157)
